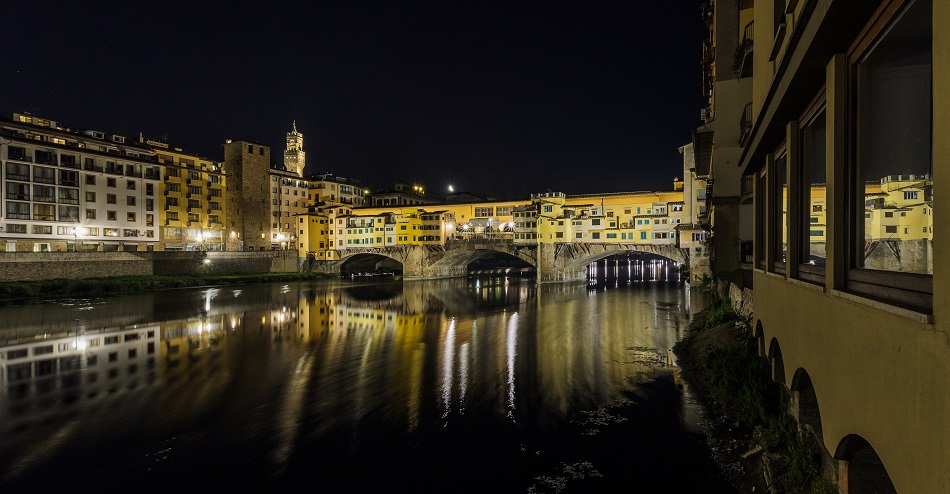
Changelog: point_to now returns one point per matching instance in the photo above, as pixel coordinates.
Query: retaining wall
(30, 266)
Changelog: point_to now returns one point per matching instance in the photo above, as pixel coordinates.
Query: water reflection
(292, 374)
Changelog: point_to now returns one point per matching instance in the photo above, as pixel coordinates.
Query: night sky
(499, 98)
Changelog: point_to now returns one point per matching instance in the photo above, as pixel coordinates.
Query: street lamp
(78, 233)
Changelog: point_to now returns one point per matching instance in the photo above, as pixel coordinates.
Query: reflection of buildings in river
(62, 373)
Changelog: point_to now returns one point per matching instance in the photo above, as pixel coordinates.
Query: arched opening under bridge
(626, 267)
(860, 468)
(369, 265)
(483, 262)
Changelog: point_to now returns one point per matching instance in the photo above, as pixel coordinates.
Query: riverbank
(753, 438)
(124, 285)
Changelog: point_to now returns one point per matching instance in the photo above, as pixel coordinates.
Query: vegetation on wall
(719, 357)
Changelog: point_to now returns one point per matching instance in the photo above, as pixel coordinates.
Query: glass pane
(815, 207)
(894, 146)
(780, 208)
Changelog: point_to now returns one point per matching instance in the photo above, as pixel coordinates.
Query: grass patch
(124, 285)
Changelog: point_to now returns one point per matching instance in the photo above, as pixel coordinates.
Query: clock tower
(295, 160)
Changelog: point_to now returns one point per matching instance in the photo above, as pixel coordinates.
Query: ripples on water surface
(482, 385)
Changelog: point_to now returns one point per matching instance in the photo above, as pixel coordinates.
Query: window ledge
(775, 276)
(806, 285)
(882, 306)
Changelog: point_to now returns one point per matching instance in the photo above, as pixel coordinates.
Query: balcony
(706, 11)
(742, 59)
(709, 51)
(709, 80)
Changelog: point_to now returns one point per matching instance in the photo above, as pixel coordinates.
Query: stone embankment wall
(31, 266)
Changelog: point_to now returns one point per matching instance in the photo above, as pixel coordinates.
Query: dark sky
(502, 98)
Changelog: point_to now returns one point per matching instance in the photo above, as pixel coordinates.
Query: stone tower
(295, 160)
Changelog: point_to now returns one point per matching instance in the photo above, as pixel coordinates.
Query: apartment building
(192, 214)
(332, 189)
(71, 190)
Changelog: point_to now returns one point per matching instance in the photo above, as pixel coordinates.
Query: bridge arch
(805, 403)
(457, 261)
(673, 254)
(369, 261)
(760, 339)
(860, 469)
(778, 365)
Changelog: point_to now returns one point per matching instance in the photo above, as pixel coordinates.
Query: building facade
(192, 215)
(838, 144)
(68, 190)
(248, 195)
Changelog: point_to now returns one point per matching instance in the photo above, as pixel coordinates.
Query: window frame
(809, 272)
(779, 231)
(909, 290)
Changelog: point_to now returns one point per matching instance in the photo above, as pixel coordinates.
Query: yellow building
(192, 214)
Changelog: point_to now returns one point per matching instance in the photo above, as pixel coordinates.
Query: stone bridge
(553, 262)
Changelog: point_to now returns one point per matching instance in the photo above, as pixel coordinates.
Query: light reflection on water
(281, 377)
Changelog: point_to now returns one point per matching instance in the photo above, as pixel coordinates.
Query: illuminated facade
(295, 159)
(193, 215)
(66, 190)
(328, 188)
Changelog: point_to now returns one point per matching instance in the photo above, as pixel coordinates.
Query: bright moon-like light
(451, 189)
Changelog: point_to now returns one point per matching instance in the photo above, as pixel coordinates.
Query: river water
(487, 384)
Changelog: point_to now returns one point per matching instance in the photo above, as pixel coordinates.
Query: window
(149, 189)
(595, 235)
(18, 172)
(68, 213)
(44, 175)
(812, 250)
(910, 196)
(90, 180)
(17, 153)
(110, 232)
(69, 178)
(90, 214)
(111, 215)
(129, 216)
(44, 212)
(42, 230)
(130, 184)
(110, 182)
(779, 211)
(68, 196)
(130, 200)
(110, 198)
(18, 192)
(891, 151)
(595, 222)
(760, 188)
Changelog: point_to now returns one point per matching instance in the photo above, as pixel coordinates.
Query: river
(487, 384)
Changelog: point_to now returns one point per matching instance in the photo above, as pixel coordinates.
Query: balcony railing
(745, 124)
(742, 60)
